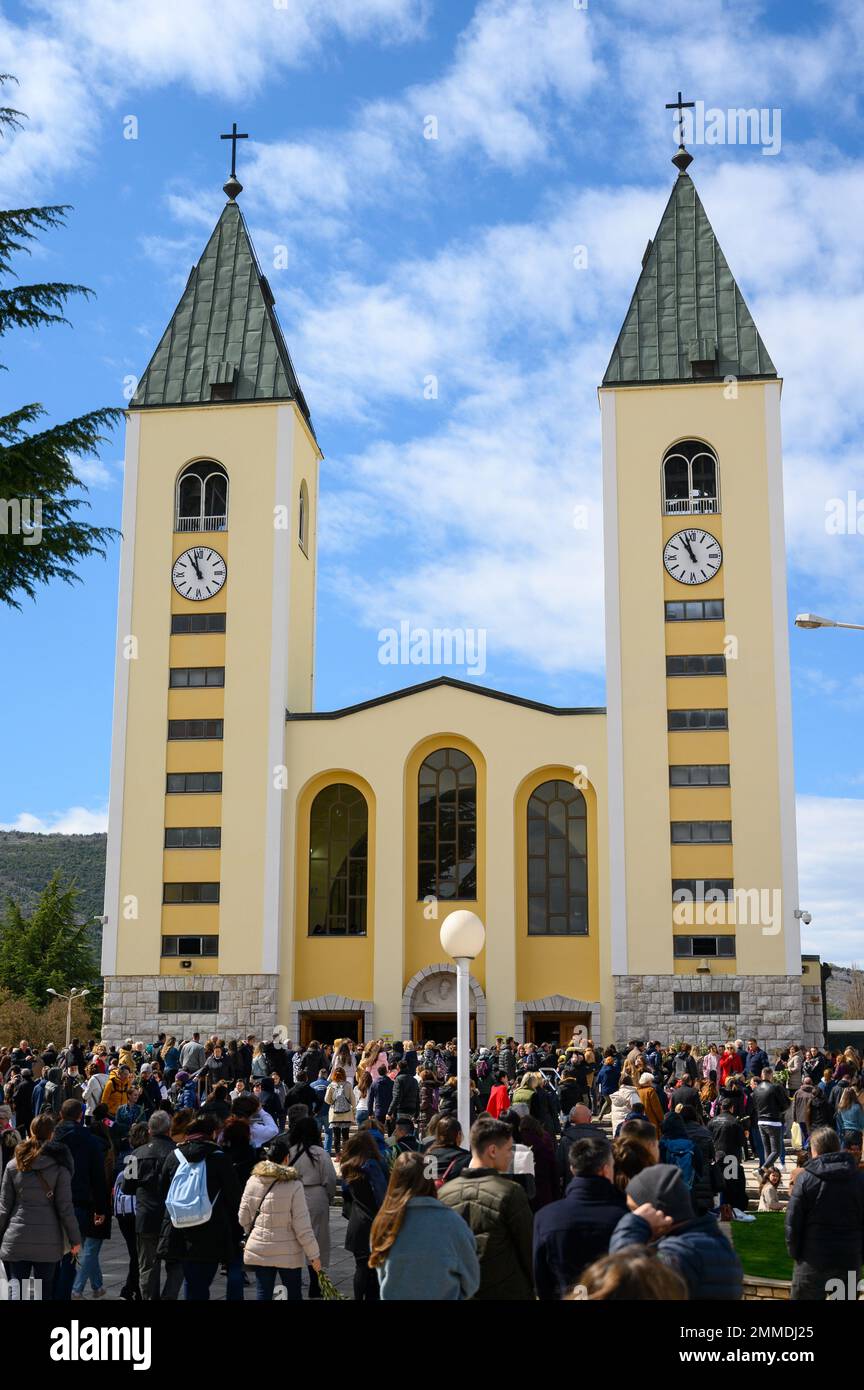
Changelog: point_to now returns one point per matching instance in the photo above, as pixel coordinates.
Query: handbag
(49, 1193)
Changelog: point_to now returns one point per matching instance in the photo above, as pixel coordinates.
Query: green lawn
(761, 1246)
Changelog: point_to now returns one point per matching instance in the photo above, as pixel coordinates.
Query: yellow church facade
(635, 867)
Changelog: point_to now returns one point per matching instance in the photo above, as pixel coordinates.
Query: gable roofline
(687, 320)
(437, 683)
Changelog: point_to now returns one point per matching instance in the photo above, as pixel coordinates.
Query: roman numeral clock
(693, 556)
(199, 573)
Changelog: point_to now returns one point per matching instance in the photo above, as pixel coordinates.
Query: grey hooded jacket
(34, 1226)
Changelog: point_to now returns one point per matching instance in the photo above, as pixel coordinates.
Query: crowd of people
(587, 1173)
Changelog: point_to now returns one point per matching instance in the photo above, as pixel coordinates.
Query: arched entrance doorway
(429, 1006)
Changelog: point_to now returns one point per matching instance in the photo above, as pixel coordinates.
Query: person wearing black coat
(702, 1191)
(144, 1183)
(217, 1068)
(405, 1103)
(686, 1094)
(570, 1092)
(90, 1194)
(727, 1134)
(279, 1060)
(825, 1221)
(545, 1109)
(301, 1094)
(202, 1249)
(269, 1101)
(364, 1185)
(578, 1126)
(573, 1232)
(22, 1100)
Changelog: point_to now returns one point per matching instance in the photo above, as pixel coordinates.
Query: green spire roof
(224, 342)
(687, 319)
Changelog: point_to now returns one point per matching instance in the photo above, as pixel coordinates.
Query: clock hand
(690, 550)
(198, 572)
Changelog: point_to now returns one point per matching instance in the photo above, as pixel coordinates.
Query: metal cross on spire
(234, 186)
(681, 159)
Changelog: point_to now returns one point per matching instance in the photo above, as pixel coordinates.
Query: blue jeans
(199, 1275)
(265, 1279)
(19, 1271)
(88, 1266)
(66, 1270)
(234, 1283)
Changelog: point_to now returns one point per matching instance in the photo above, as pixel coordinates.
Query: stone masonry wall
(247, 1004)
(773, 1008)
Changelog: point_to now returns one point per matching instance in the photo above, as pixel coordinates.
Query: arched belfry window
(691, 479)
(447, 826)
(557, 861)
(303, 523)
(202, 497)
(338, 861)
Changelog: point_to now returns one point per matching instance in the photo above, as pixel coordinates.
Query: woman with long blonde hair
(421, 1249)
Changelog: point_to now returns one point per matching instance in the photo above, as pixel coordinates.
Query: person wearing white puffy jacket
(275, 1218)
(623, 1100)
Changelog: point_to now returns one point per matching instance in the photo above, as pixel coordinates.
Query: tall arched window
(338, 861)
(557, 861)
(202, 497)
(303, 524)
(691, 479)
(447, 826)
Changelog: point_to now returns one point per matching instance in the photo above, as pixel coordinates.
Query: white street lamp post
(813, 620)
(73, 994)
(462, 937)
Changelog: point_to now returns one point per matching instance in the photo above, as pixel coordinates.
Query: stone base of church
(774, 1009)
(247, 1004)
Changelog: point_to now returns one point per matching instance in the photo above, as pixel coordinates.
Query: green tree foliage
(47, 949)
(28, 860)
(41, 533)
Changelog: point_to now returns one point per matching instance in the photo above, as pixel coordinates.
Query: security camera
(806, 918)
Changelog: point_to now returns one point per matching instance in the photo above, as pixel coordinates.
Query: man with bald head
(578, 1126)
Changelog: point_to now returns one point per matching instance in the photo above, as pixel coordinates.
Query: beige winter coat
(282, 1235)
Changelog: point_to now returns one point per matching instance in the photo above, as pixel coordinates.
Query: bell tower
(704, 938)
(215, 641)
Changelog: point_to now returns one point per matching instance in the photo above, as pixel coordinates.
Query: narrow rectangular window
(701, 832)
(185, 623)
(196, 728)
(188, 1001)
(188, 782)
(696, 665)
(193, 837)
(678, 719)
(699, 775)
(190, 893)
(196, 677)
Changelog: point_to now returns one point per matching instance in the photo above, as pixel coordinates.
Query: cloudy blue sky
(393, 258)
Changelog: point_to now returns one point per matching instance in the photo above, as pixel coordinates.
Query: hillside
(27, 862)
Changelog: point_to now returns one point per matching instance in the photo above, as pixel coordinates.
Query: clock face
(692, 556)
(199, 573)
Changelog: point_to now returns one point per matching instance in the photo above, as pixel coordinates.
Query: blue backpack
(679, 1152)
(188, 1201)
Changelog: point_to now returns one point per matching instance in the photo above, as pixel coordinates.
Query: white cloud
(95, 473)
(831, 875)
(76, 821)
(221, 45)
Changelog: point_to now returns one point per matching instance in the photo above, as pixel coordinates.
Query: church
(270, 863)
